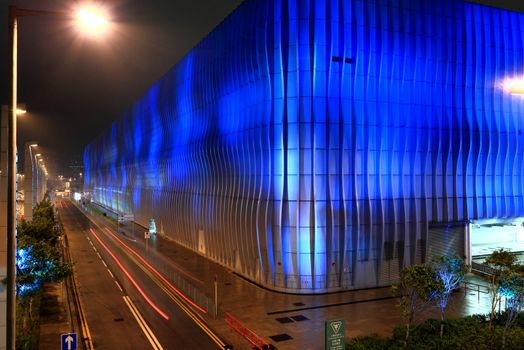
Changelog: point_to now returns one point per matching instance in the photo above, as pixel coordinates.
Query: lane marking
(171, 263)
(142, 323)
(149, 301)
(195, 317)
(199, 321)
(110, 273)
(184, 307)
(181, 295)
(118, 285)
(103, 262)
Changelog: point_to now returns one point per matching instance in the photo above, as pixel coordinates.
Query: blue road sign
(69, 341)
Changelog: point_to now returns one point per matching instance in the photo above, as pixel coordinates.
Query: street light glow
(91, 19)
(514, 86)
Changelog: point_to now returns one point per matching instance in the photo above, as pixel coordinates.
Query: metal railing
(479, 288)
(192, 290)
(235, 325)
(482, 268)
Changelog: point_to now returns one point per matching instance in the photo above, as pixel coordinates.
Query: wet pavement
(290, 321)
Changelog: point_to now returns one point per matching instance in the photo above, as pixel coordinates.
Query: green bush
(370, 342)
(467, 333)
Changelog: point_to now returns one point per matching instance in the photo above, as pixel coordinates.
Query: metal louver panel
(448, 239)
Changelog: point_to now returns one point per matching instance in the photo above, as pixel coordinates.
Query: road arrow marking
(69, 340)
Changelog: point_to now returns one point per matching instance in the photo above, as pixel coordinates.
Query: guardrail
(246, 333)
(479, 288)
(481, 268)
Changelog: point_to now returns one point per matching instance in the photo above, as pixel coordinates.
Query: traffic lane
(151, 249)
(111, 323)
(179, 331)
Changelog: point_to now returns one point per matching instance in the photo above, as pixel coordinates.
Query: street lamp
(91, 19)
(14, 14)
(30, 179)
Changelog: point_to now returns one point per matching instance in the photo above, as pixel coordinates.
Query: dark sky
(74, 88)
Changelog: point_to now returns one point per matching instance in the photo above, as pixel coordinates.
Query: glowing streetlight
(91, 19)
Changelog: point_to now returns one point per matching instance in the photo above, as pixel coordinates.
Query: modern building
(316, 146)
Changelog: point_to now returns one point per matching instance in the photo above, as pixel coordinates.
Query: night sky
(74, 87)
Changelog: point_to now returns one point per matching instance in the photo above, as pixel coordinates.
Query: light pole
(29, 184)
(87, 18)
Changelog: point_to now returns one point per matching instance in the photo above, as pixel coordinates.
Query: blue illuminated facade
(309, 145)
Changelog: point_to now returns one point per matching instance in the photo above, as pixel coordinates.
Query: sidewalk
(291, 321)
(54, 319)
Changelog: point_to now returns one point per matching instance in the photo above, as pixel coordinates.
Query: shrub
(370, 342)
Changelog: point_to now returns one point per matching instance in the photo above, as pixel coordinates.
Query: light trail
(179, 293)
(170, 262)
(156, 308)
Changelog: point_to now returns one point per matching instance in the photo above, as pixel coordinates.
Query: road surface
(128, 303)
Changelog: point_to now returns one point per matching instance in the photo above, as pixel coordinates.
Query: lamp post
(88, 19)
(35, 188)
(29, 183)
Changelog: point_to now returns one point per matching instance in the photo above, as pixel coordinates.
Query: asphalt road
(128, 303)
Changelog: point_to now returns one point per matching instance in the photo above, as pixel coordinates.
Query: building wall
(307, 145)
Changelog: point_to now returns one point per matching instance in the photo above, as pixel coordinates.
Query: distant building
(318, 146)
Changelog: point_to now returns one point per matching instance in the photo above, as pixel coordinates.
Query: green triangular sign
(336, 326)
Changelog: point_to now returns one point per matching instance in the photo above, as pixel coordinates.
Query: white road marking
(117, 284)
(142, 323)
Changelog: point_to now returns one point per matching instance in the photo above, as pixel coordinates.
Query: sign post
(335, 335)
(68, 341)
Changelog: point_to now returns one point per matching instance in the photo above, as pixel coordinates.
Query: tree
(417, 287)
(512, 287)
(500, 261)
(39, 260)
(38, 263)
(450, 271)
